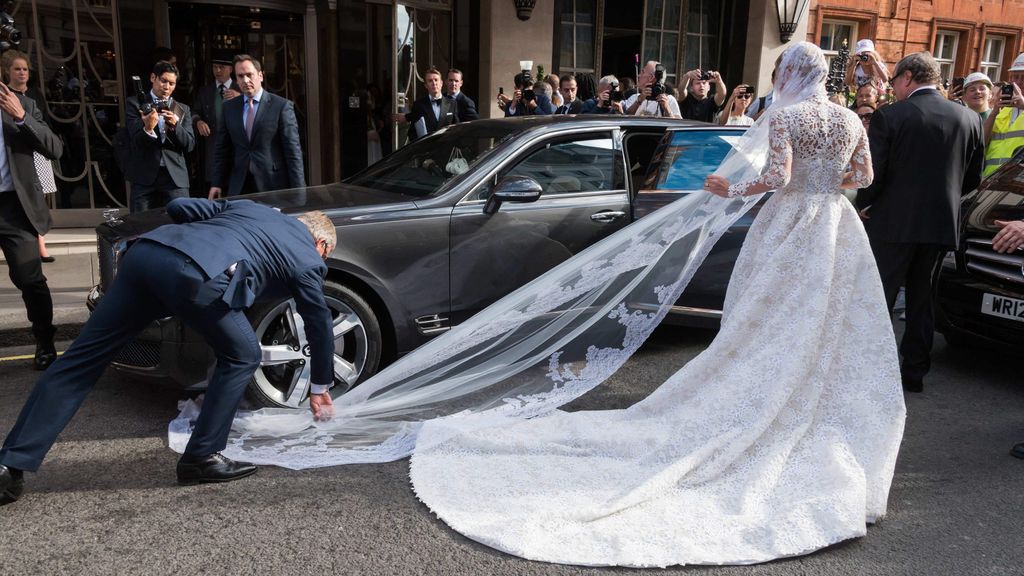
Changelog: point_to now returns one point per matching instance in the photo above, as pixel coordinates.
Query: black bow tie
(436, 102)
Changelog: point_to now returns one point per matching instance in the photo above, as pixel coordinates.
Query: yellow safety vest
(1007, 137)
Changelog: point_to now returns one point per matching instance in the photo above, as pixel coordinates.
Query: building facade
(964, 36)
(350, 64)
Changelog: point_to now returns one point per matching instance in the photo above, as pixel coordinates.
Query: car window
(586, 163)
(423, 168)
(687, 158)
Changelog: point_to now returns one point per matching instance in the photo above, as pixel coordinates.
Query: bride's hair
(802, 69)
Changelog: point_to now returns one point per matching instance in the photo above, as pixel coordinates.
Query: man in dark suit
(432, 112)
(207, 269)
(465, 108)
(24, 215)
(209, 108)
(257, 147)
(927, 152)
(160, 140)
(570, 103)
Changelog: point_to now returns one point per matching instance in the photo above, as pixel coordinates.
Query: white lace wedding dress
(779, 439)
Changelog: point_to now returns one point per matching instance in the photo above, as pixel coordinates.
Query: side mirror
(513, 189)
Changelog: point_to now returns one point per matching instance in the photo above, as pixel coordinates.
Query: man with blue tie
(207, 268)
(160, 139)
(432, 112)
(257, 145)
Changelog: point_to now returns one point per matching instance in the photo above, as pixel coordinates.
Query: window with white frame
(661, 33)
(833, 33)
(992, 57)
(945, 52)
(577, 36)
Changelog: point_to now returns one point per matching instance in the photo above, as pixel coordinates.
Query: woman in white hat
(866, 66)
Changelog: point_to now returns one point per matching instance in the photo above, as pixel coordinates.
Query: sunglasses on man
(865, 116)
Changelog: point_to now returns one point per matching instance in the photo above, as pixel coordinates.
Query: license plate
(1003, 307)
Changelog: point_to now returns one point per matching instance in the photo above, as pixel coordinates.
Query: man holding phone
(1004, 126)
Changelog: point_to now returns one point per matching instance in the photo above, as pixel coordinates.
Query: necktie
(218, 102)
(250, 115)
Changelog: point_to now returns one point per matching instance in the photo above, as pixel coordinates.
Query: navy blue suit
(274, 155)
(544, 106)
(180, 269)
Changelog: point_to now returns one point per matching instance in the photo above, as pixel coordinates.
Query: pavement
(70, 278)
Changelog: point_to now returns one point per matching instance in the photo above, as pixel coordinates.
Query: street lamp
(789, 16)
(524, 8)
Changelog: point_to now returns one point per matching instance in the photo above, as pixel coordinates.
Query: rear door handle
(607, 216)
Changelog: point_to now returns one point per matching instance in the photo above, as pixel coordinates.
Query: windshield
(422, 168)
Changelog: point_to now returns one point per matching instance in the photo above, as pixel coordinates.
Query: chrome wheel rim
(284, 373)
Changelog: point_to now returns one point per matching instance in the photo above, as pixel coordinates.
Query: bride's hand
(717, 185)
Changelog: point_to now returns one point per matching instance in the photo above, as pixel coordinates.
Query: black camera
(705, 76)
(615, 94)
(525, 81)
(10, 36)
(748, 89)
(1007, 90)
(145, 106)
(658, 87)
(862, 57)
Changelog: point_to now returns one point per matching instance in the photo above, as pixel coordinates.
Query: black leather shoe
(913, 384)
(12, 485)
(1018, 450)
(45, 355)
(212, 468)
(47, 259)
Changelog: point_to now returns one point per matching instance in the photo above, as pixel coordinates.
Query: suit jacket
(275, 153)
(465, 108)
(422, 108)
(544, 106)
(275, 257)
(147, 151)
(574, 107)
(206, 110)
(926, 152)
(20, 141)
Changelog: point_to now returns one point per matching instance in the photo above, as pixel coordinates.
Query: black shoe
(47, 259)
(212, 468)
(1018, 451)
(12, 485)
(45, 355)
(911, 384)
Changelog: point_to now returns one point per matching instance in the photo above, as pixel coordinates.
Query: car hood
(333, 198)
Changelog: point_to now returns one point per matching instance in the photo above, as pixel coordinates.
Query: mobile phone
(501, 90)
(1006, 92)
(749, 90)
(958, 83)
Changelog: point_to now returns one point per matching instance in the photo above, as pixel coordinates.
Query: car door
(583, 199)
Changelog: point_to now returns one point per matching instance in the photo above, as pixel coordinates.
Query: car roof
(565, 120)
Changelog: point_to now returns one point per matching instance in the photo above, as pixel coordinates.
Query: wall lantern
(524, 8)
(789, 16)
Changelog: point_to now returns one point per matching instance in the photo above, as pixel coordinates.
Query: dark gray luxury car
(426, 240)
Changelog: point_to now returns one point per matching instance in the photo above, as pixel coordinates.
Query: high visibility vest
(1007, 137)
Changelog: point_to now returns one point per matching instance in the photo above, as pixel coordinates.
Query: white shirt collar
(258, 97)
(226, 84)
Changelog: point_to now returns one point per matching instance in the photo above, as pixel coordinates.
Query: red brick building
(964, 35)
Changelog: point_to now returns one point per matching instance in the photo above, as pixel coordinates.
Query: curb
(23, 336)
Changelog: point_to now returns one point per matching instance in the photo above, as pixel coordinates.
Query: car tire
(282, 380)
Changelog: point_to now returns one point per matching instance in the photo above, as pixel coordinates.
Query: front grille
(139, 354)
(984, 261)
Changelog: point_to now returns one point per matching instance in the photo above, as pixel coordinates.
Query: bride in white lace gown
(779, 439)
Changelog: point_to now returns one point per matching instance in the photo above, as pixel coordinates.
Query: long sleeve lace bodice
(811, 145)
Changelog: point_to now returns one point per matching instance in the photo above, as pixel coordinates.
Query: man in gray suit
(24, 215)
(257, 147)
(160, 140)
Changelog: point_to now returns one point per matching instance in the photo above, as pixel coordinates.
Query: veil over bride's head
(801, 74)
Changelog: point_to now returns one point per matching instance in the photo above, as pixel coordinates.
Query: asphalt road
(105, 501)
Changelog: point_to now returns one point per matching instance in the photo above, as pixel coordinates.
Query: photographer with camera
(525, 101)
(1005, 124)
(161, 134)
(697, 103)
(866, 66)
(736, 107)
(608, 99)
(651, 99)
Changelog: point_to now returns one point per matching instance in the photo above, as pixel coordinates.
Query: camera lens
(705, 76)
